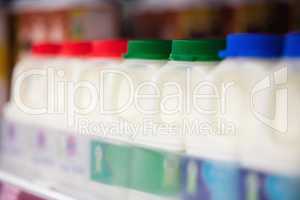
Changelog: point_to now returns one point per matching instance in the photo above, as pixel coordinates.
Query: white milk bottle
(193, 61)
(143, 59)
(59, 131)
(281, 146)
(247, 96)
(244, 95)
(25, 109)
(97, 101)
(105, 57)
(66, 70)
(135, 94)
(190, 62)
(86, 73)
(28, 91)
(28, 76)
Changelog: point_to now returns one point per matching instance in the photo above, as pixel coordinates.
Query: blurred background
(23, 22)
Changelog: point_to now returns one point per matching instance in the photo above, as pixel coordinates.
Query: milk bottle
(101, 64)
(55, 146)
(76, 168)
(239, 80)
(201, 108)
(143, 59)
(28, 95)
(249, 60)
(273, 165)
(66, 70)
(282, 141)
(190, 62)
(105, 57)
(40, 54)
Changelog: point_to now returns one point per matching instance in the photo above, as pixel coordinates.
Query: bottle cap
(73, 48)
(292, 45)
(45, 48)
(149, 49)
(109, 48)
(253, 45)
(197, 50)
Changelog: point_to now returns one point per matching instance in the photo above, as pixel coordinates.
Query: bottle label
(11, 140)
(156, 172)
(262, 186)
(110, 163)
(74, 154)
(15, 141)
(209, 180)
(43, 143)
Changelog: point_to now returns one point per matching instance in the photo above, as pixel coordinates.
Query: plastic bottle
(28, 93)
(143, 60)
(205, 176)
(72, 162)
(29, 83)
(75, 166)
(109, 160)
(249, 60)
(272, 164)
(238, 81)
(283, 139)
(105, 57)
(66, 69)
(191, 61)
(189, 68)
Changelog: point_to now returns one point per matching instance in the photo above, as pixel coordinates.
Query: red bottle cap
(45, 48)
(109, 48)
(72, 48)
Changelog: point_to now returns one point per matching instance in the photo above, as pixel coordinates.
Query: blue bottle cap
(253, 45)
(292, 45)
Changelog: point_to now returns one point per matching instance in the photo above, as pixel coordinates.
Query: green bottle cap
(149, 49)
(197, 50)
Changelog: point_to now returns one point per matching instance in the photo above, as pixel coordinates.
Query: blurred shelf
(35, 189)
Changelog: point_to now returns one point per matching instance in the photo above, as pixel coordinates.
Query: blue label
(209, 180)
(262, 186)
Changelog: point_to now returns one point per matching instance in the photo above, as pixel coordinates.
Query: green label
(155, 172)
(110, 164)
(137, 168)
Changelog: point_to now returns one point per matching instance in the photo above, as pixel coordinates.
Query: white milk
(28, 95)
(50, 129)
(180, 81)
(29, 82)
(86, 73)
(280, 148)
(248, 100)
(143, 60)
(65, 72)
(219, 141)
(98, 97)
(48, 89)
